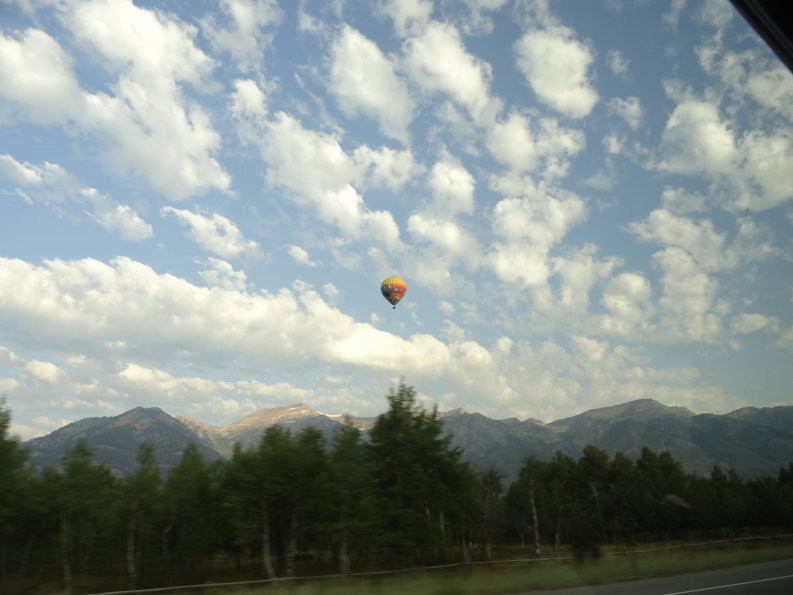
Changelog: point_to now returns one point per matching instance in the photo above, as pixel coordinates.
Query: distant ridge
(753, 441)
(115, 440)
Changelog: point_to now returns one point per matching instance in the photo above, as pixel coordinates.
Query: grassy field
(510, 577)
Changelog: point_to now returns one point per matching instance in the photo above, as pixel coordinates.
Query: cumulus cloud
(117, 217)
(618, 63)
(52, 184)
(248, 99)
(35, 69)
(215, 233)
(699, 238)
(628, 299)
(147, 126)
(527, 228)
(629, 109)
(438, 61)
(220, 273)
(407, 15)
(364, 81)
(71, 305)
(697, 140)
(751, 322)
(690, 309)
(300, 256)
(524, 144)
(77, 302)
(556, 67)
(452, 186)
(244, 38)
(317, 172)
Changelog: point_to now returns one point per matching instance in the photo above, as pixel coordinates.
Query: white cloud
(34, 69)
(52, 184)
(300, 256)
(671, 18)
(20, 173)
(696, 139)
(153, 47)
(512, 143)
(385, 167)
(146, 125)
(408, 15)
(47, 182)
(556, 67)
(244, 38)
(76, 303)
(751, 322)
(540, 219)
(682, 201)
(617, 62)
(628, 299)
(699, 238)
(215, 233)
(523, 144)
(220, 273)
(579, 272)
(364, 81)
(753, 170)
(46, 371)
(438, 61)
(476, 19)
(117, 217)
(318, 173)
(452, 186)
(629, 109)
(248, 100)
(689, 304)
(454, 241)
(785, 340)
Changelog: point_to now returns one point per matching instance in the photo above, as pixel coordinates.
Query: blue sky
(590, 203)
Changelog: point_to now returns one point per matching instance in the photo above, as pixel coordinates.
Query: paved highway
(767, 578)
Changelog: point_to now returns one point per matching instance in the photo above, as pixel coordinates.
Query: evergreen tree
(15, 479)
(526, 496)
(277, 466)
(415, 472)
(352, 506)
(84, 495)
(188, 534)
(144, 507)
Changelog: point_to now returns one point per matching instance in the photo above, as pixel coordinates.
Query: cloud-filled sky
(591, 202)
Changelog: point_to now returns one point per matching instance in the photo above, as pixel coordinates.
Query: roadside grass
(520, 576)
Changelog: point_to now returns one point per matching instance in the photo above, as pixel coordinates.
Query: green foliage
(293, 505)
(419, 479)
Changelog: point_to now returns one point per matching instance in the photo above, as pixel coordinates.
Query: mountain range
(752, 441)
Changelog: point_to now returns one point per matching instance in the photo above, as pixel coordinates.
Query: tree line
(293, 505)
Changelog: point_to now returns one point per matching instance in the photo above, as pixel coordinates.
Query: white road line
(762, 580)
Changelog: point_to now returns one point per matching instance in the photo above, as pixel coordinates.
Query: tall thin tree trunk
(556, 537)
(267, 556)
(26, 553)
(291, 548)
(166, 535)
(344, 552)
(534, 518)
(4, 554)
(66, 553)
(132, 525)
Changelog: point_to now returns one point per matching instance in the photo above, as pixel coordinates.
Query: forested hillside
(294, 504)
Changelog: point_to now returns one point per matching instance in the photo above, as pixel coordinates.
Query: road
(767, 578)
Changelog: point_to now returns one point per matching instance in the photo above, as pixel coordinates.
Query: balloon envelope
(393, 289)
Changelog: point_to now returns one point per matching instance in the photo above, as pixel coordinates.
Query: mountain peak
(275, 415)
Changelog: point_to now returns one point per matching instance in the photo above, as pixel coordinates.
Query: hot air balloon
(393, 289)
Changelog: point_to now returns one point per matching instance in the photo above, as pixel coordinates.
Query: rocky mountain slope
(753, 441)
